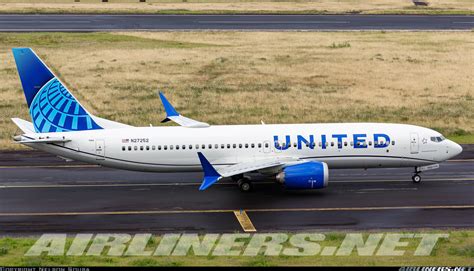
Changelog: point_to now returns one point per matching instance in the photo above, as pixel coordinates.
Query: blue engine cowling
(309, 175)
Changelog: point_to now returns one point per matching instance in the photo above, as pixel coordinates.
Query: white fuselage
(174, 149)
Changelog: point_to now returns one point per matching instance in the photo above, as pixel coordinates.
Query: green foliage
(345, 44)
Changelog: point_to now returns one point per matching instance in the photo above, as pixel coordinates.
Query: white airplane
(298, 156)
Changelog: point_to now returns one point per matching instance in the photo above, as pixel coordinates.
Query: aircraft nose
(458, 148)
(455, 148)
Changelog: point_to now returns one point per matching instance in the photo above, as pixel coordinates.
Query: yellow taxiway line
(151, 212)
(244, 221)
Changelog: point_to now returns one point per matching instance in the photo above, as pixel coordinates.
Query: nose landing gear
(416, 178)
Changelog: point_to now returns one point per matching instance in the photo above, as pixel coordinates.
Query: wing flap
(249, 167)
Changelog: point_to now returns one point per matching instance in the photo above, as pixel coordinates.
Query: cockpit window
(437, 138)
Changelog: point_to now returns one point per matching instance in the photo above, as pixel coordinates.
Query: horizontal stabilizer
(173, 115)
(25, 126)
(24, 139)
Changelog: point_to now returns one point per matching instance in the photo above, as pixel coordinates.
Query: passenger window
(370, 143)
(190, 147)
(177, 147)
(147, 148)
(129, 148)
(345, 143)
(197, 146)
(295, 144)
(216, 146)
(259, 145)
(266, 145)
(171, 147)
(203, 146)
(141, 148)
(320, 144)
(222, 146)
(123, 148)
(159, 147)
(135, 148)
(184, 147)
(210, 146)
(234, 146)
(393, 143)
(352, 143)
(332, 144)
(165, 147)
(313, 145)
(153, 147)
(252, 145)
(240, 146)
(246, 145)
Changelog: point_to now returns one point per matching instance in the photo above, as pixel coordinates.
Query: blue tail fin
(52, 107)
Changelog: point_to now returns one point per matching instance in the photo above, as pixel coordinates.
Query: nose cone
(455, 148)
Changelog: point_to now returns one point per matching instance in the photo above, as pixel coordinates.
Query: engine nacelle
(309, 175)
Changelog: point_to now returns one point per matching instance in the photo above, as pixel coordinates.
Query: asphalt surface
(39, 193)
(84, 23)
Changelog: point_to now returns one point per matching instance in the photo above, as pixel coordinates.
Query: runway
(39, 193)
(91, 23)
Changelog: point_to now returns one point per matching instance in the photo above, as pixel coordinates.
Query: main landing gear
(244, 183)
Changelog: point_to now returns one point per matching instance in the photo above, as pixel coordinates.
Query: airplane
(298, 156)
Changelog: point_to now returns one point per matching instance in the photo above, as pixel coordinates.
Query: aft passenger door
(414, 144)
(100, 149)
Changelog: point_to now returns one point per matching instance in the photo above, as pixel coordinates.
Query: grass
(422, 78)
(436, 7)
(457, 250)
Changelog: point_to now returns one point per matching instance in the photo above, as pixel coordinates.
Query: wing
(173, 115)
(211, 175)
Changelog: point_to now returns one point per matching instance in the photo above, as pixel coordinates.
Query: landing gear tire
(416, 178)
(237, 178)
(245, 185)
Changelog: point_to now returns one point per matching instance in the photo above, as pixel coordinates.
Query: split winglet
(211, 176)
(173, 115)
(170, 111)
